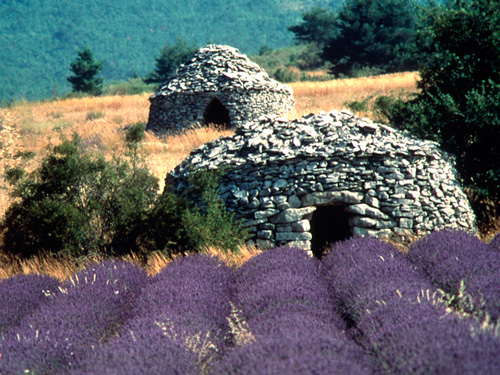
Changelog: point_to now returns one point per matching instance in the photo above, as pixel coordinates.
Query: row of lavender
(365, 309)
(285, 302)
(393, 310)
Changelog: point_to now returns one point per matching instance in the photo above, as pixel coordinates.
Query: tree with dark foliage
(373, 35)
(171, 57)
(85, 76)
(459, 103)
(318, 26)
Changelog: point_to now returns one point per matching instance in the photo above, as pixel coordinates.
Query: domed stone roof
(219, 67)
(385, 182)
(218, 85)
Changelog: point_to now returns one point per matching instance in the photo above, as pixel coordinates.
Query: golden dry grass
(312, 97)
(62, 268)
(31, 127)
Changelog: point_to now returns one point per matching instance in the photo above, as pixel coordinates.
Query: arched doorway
(329, 224)
(216, 114)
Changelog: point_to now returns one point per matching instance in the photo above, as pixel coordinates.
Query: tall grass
(329, 95)
(63, 268)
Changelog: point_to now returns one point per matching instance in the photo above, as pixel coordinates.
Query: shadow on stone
(329, 224)
(217, 115)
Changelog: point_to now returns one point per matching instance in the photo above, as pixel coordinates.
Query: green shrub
(196, 220)
(79, 204)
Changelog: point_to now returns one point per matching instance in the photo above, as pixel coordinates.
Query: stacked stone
(278, 172)
(243, 87)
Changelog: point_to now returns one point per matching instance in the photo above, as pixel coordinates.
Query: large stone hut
(217, 86)
(322, 178)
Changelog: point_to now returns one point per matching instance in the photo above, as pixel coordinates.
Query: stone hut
(218, 85)
(324, 177)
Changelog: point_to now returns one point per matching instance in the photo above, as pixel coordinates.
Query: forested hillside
(40, 38)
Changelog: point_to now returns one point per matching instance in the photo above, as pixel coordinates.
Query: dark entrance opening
(329, 224)
(216, 114)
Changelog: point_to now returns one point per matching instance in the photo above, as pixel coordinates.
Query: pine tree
(373, 35)
(171, 57)
(86, 73)
(318, 26)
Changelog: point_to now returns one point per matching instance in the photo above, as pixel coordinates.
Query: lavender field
(365, 308)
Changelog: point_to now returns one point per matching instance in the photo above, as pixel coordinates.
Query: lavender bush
(141, 349)
(363, 273)
(20, 295)
(285, 302)
(282, 276)
(452, 259)
(495, 242)
(189, 301)
(422, 338)
(319, 354)
(87, 310)
(398, 319)
(31, 351)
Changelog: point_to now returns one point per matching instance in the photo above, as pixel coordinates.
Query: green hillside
(40, 38)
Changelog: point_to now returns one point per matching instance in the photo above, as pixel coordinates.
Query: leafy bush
(78, 204)
(459, 103)
(95, 115)
(195, 220)
(132, 86)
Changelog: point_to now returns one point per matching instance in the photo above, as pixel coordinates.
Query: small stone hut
(324, 177)
(218, 85)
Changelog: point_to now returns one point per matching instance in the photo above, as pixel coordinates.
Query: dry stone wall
(222, 72)
(279, 172)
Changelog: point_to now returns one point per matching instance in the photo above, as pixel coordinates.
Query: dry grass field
(31, 127)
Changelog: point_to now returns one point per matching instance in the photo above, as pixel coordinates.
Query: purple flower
(144, 349)
(420, 338)
(318, 354)
(21, 295)
(190, 299)
(452, 257)
(397, 318)
(87, 310)
(495, 242)
(34, 352)
(284, 300)
(364, 272)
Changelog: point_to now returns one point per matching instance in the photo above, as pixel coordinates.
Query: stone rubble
(277, 173)
(221, 72)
